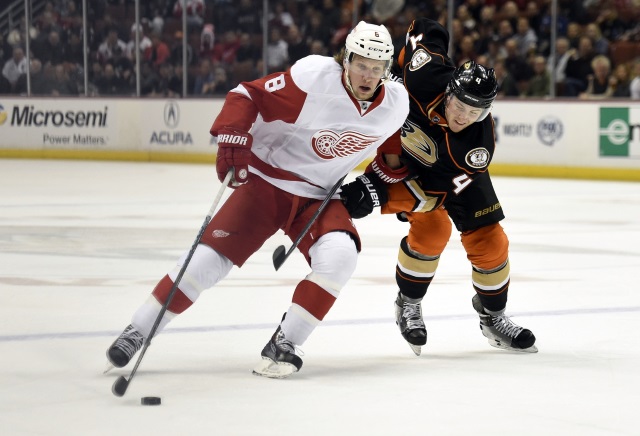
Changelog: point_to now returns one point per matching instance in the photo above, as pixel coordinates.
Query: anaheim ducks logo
(478, 158)
(418, 144)
(329, 145)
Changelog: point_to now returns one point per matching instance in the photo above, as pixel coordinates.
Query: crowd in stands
(596, 56)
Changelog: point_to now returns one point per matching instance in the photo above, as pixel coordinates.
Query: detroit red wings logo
(329, 145)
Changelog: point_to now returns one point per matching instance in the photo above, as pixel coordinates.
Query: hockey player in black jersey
(448, 142)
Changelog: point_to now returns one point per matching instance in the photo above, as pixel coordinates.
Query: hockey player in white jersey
(288, 138)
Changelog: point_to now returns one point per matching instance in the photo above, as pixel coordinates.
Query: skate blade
(417, 349)
(108, 368)
(531, 349)
(269, 368)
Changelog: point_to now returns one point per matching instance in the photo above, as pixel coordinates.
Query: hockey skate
(502, 332)
(124, 348)
(409, 320)
(279, 359)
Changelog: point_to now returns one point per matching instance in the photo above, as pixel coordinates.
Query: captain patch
(419, 58)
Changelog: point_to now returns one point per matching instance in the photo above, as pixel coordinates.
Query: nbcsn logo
(3, 115)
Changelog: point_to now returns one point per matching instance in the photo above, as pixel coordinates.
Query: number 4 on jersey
(461, 182)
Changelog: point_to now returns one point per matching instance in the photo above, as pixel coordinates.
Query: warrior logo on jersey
(418, 144)
(477, 158)
(419, 58)
(328, 144)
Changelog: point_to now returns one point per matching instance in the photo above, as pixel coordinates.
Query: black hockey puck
(150, 401)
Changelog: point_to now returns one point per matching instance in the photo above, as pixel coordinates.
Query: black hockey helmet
(474, 85)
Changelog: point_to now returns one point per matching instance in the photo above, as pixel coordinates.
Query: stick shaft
(174, 288)
(278, 260)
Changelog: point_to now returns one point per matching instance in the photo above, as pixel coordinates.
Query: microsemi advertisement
(70, 124)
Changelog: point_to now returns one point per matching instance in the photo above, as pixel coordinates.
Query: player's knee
(206, 268)
(333, 260)
(487, 246)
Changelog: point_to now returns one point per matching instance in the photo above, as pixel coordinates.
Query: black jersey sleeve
(426, 67)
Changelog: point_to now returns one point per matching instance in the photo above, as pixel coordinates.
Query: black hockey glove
(363, 194)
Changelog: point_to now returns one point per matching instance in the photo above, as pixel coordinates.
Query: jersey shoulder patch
(419, 59)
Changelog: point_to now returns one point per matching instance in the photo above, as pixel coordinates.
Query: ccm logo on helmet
(233, 139)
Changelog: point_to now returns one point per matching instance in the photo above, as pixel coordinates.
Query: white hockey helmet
(370, 41)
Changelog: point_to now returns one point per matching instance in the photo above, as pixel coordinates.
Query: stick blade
(279, 256)
(120, 386)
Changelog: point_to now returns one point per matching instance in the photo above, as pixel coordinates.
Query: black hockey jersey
(445, 163)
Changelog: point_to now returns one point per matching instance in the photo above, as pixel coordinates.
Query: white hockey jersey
(309, 131)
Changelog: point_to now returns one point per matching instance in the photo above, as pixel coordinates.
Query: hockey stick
(279, 254)
(121, 384)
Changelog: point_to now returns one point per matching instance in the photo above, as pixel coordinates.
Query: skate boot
(279, 359)
(123, 348)
(502, 332)
(409, 320)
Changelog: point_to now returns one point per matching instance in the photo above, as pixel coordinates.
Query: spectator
(609, 24)
(573, 34)
(177, 51)
(5, 86)
(165, 72)
(465, 51)
(15, 67)
(339, 36)
(205, 80)
(318, 47)
(60, 83)
(247, 57)
(109, 83)
(466, 19)
(297, 48)
(148, 79)
(280, 17)
(517, 65)
(634, 87)
(248, 18)
(332, 16)
(540, 83)
(599, 85)
(510, 12)
(74, 50)
(600, 43)
(525, 37)
(579, 68)
(620, 82)
(559, 63)
(277, 51)
(145, 42)
(70, 16)
(316, 29)
(38, 80)
(225, 51)
(51, 50)
(6, 50)
(158, 53)
(95, 73)
(505, 33)
(195, 12)
(105, 51)
(221, 83)
(207, 42)
(174, 87)
(507, 86)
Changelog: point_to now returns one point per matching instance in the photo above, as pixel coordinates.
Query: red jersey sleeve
(274, 97)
